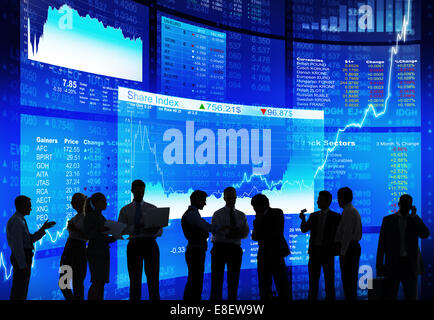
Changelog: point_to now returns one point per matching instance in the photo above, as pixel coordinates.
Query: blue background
(367, 167)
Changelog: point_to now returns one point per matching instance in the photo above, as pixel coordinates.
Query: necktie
(138, 216)
(27, 230)
(321, 225)
(232, 218)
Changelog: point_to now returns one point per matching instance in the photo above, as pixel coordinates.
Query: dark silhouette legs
(350, 270)
(195, 258)
(145, 252)
(225, 254)
(21, 278)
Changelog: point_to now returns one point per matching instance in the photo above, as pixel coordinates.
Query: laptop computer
(156, 217)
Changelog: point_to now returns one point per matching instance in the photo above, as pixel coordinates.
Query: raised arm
(306, 226)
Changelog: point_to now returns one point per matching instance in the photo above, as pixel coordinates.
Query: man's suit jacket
(329, 233)
(268, 231)
(389, 244)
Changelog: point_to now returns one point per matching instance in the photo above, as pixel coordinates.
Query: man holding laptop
(142, 247)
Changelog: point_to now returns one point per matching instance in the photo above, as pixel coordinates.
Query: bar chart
(369, 20)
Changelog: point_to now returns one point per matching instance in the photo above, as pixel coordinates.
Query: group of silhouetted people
(331, 234)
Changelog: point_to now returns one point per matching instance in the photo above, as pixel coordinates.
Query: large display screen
(355, 21)
(265, 16)
(284, 98)
(76, 54)
(205, 63)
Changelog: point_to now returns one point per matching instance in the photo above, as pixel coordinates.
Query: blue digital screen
(286, 98)
(370, 85)
(355, 21)
(265, 16)
(205, 63)
(177, 151)
(76, 54)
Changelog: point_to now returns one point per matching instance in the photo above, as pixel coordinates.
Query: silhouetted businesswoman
(196, 231)
(268, 229)
(142, 248)
(21, 241)
(398, 255)
(98, 249)
(348, 235)
(322, 246)
(74, 253)
(226, 248)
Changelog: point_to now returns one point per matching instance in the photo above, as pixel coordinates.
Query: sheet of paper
(115, 228)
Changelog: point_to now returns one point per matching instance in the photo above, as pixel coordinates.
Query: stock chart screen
(284, 98)
(356, 21)
(206, 63)
(264, 16)
(76, 54)
(210, 146)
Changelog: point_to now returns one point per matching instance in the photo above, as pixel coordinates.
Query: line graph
(393, 52)
(84, 43)
(58, 234)
(142, 139)
(145, 154)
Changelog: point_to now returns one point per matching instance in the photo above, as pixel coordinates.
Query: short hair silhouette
(345, 194)
(77, 196)
(327, 196)
(229, 189)
(21, 201)
(405, 199)
(260, 199)
(197, 195)
(137, 183)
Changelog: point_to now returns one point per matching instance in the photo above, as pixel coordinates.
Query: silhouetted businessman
(348, 235)
(398, 255)
(226, 248)
(21, 241)
(142, 248)
(196, 231)
(74, 253)
(322, 246)
(268, 229)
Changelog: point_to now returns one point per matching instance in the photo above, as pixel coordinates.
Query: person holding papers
(142, 247)
(98, 249)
